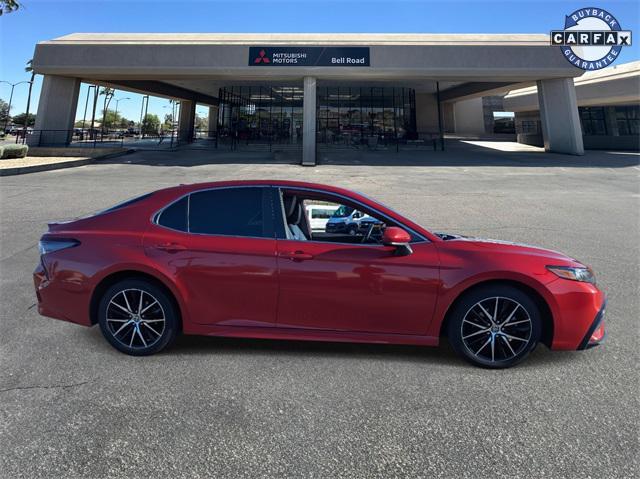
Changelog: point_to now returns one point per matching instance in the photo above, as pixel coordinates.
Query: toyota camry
(240, 259)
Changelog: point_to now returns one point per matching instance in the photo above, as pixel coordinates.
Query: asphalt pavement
(72, 406)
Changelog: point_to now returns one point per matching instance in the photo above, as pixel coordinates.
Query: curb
(21, 170)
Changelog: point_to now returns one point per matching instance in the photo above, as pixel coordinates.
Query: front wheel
(137, 317)
(495, 326)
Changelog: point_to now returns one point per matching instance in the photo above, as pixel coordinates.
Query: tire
(131, 332)
(352, 230)
(491, 340)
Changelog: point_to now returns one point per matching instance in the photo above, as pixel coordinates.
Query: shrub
(14, 151)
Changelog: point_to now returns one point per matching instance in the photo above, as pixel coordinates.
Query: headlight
(49, 245)
(583, 274)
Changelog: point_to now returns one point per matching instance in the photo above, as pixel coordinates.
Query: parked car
(318, 215)
(239, 258)
(344, 220)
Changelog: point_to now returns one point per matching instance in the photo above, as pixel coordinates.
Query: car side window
(243, 211)
(175, 215)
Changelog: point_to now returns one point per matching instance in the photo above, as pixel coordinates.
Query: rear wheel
(137, 317)
(495, 326)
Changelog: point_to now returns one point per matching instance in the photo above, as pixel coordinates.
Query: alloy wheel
(496, 329)
(135, 318)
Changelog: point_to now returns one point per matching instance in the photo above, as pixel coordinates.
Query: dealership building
(316, 89)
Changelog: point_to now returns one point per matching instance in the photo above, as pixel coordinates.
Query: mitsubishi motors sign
(309, 56)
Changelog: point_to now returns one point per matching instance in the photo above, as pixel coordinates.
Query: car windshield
(342, 212)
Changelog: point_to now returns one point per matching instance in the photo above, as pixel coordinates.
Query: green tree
(8, 6)
(4, 111)
(114, 120)
(20, 119)
(202, 123)
(168, 122)
(108, 95)
(150, 124)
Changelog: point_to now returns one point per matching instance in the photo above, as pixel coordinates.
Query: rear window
(175, 215)
(232, 211)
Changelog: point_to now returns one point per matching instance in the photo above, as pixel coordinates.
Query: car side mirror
(394, 236)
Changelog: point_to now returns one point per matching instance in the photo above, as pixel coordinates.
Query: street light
(118, 101)
(13, 85)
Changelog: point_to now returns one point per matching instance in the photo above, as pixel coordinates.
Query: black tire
(495, 326)
(352, 230)
(133, 333)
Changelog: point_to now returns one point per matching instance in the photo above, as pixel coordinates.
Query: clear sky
(45, 19)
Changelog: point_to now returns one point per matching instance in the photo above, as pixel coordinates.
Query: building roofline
(364, 39)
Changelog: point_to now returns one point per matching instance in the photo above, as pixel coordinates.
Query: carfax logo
(592, 38)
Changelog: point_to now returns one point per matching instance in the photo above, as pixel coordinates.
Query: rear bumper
(596, 333)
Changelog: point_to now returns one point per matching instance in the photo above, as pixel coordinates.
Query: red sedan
(240, 259)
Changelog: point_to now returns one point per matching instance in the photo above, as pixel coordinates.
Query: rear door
(219, 246)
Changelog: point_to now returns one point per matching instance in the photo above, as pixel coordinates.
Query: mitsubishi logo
(262, 58)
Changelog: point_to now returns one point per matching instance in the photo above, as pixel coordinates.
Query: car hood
(509, 247)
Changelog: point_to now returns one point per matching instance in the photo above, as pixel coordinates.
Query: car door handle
(297, 255)
(170, 247)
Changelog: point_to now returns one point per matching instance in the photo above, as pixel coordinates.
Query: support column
(309, 122)
(56, 111)
(213, 121)
(559, 116)
(186, 121)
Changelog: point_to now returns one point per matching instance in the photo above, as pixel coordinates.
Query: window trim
(280, 188)
(155, 217)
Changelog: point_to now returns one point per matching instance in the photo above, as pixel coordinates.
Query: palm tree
(29, 69)
(108, 95)
(8, 6)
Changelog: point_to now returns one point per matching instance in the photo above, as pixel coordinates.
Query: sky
(40, 20)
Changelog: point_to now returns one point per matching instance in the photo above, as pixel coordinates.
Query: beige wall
(468, 116)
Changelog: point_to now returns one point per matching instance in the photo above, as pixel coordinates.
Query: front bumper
(596, 333)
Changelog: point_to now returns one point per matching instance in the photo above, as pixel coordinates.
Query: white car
(318, 215)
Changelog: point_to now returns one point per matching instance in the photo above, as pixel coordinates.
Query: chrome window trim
(156, 215)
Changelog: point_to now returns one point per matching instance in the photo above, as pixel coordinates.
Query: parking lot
(71, 406)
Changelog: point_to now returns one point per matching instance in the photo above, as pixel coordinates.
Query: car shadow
(186, 345)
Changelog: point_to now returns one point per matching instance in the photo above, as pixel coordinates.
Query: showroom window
(232, 212)
(592, 120)
(628, 119)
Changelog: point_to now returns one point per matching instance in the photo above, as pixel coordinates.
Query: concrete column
(186, 121)
(559, 116)
(213, 121)
(56, 111)
(309, 122)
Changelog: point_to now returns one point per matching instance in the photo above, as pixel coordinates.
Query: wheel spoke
(511, 315)
(509, 345)
(141, 337)
(495, 311)
(122, 327)
(482, 331)
(133, 335)
(483, 346)
(493, 347)
(517, 322)
(124, 293)
(140, 303)
(485, 312)
(156, 332)
(118, 320)
(474, 324)
(120, 306)
(509, 336)
(148, 306)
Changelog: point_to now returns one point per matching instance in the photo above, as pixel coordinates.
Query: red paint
(273, 288)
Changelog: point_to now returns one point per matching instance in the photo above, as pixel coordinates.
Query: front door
(340, 282)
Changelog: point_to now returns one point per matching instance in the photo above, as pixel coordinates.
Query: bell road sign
(309, 56)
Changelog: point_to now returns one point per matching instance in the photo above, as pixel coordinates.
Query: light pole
(145, 101)
(13, 85)
(86, 104)
(118, 100)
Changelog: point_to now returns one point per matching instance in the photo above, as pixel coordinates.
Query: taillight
(49, 245)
